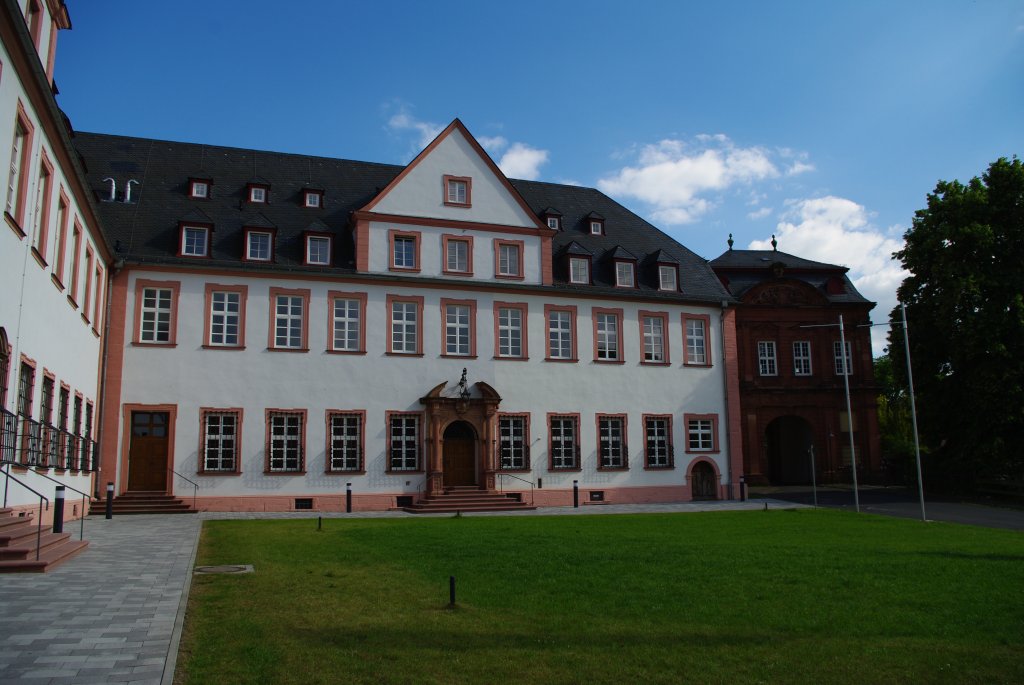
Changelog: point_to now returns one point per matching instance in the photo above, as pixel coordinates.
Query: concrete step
(48, 558)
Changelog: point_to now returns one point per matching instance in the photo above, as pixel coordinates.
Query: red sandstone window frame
(576, 458)
(204, 412)
(329, 415)
(303, 293)
(97, 300)
(446, 241)
(419, 439)
(713, 418)
(666, 345)
(268, 469)
(76, 262)
(670, 447)
(417, 300)
(520, 247)
(87, 299)
(60, 259)
(450, 182)
(499, 444)
(706, 319)
(617, 314)
(20, 194)
(624, 441)
(573, 333)
(243, 293)
(332, 297)
(445, 304)
(42, 217)
(140, 286)
(524, 309)
(394, 235)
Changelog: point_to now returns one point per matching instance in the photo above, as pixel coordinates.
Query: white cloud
(760, 213)
(839, 231)
(493, 144)
(799, 167)
(425, 130)
(523, 161)
(677, 177)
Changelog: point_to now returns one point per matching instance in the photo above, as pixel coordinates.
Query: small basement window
(597, 495)
(303, 503)
(403, 501)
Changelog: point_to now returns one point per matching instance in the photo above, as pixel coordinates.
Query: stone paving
(113, 614)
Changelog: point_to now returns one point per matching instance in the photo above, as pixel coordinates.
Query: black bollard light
(743, 489)
(58, 510)
(110, 501)
(576, 494)
(348, 498)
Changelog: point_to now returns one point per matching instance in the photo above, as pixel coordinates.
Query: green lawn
(808, 596)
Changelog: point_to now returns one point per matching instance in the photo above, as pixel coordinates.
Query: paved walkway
(114, 613)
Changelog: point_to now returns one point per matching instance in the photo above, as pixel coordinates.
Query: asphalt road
(898, 501)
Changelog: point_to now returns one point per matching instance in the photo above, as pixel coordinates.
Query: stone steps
(18, 538)
(466, 499)
(141, 502)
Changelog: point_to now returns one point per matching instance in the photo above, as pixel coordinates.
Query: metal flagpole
(849, 412)
(913, 410)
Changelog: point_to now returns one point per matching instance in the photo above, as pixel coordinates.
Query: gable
(420, 190)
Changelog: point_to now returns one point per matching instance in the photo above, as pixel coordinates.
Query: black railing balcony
(29, 443)
(8, 436)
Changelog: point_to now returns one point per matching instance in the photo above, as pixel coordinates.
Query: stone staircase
(467, 499)
(144, 502)
(18, 537)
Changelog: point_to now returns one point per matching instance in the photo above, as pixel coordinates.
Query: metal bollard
(576, 494)
(348, 498)
(110, 501)
(58, 510)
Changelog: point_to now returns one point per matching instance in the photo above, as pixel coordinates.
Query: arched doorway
(789, 440)
(459, 454)
(703, 482)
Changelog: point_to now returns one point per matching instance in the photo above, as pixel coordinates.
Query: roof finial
(775, 244)
(730, 241)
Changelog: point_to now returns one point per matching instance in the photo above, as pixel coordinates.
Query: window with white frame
(457, 258)
(258, 246)
(457, 191)
(508, 260)
(564, 435)
(193, 241)
(404, 442)
(318, 250)
(579, 270)
(596, 228)
(837, 353)
(346, 441)
(513, 443)
(311, 199)
(607, 328)
(611, 433)
(654, 338)
(802, 358)
(289, 311)
(766, 361)
(624, 274)
(19, 159)
(42, 218)
(199, 189)
(404, 256)
(668, 278)
(553, 222)
(658, 441)
(346, 325)
(286, 439)
(696, 342)
(257, 194)
(225, 318)
(155, 319)
(220, 440)
(700, 435)
(510, 332)
(404, 325)
(457, 329)
(560, 333)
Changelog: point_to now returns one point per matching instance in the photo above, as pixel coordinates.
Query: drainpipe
(725, 388)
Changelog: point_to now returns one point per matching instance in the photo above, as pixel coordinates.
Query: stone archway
(789, 440)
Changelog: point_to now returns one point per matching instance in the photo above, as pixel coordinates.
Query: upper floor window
(405, 251)
(837, 352)
(579, 270)
(561, 333)
(289, 317)
(459, 329)
(258, 193)
(347, 314)
(668, 277)
(199, 188)
(653, 330)
(510, 342)
(17, 180)
(553, 222)
(318, 250)
(458, 255)
(404, 332)
(596, 227)
(313, 199)
(607, 335)
(802, 358)
(766, 361)
(225, 312)
(156, 311)
(44, 190)
(194, 241)
(696, 328)
(625, 274)
(259, 246)
(508, 258)
(458, 191)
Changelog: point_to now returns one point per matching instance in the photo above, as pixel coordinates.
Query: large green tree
(965, 308)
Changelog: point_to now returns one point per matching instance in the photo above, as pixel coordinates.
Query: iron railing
(25, 442)
(42, 498)
(501, 483)
(195, 485)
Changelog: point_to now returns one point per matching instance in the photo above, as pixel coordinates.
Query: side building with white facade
(285, 327)
(53, 274)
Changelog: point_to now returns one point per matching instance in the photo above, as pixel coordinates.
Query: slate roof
(147, 229)
(741, 270)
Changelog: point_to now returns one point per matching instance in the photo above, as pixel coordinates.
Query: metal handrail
(42, 498)
(195, 485)
(501, 484)
(81, 531)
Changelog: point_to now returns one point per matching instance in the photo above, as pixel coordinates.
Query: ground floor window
(658, 438)
(513, 442)
(404, 442)
(565, 446)
(611, 441)
(701, 433)
(285, 440)
(220, 440)
(345, 441)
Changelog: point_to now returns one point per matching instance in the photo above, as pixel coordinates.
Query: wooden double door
(147, 452)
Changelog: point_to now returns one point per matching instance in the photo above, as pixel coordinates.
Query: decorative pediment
(784, 294)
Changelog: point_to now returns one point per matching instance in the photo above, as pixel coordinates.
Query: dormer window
(625, 274)
(579, 270)
(668, 277)
(199, 188)
(552, 218)
(458, 191)
(259, 246)
(194, 241)
(596, 228)
(318, 250)
(553, 222)
(258, 193)
(314, 199)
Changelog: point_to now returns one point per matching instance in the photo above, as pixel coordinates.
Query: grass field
(807, 596)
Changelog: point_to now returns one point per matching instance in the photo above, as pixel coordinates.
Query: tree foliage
(965, 311)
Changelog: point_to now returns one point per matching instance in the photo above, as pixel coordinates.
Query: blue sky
(823, 123)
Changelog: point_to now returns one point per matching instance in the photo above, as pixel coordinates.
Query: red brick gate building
(790, 369)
